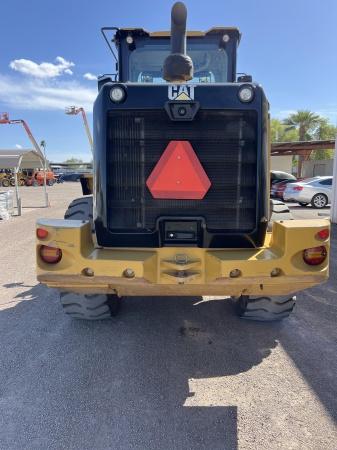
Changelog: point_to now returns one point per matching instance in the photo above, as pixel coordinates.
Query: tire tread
(265, 308)
(81, 209)
(89, 307)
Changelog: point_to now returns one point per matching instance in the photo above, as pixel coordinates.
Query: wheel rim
(320, 201)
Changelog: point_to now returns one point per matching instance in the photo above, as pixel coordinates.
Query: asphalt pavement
(167, 373)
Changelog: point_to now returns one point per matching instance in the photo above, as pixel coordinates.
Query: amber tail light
(50, 255)
(314, 256)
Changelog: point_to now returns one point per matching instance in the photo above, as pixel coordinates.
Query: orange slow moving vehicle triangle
(178, 174)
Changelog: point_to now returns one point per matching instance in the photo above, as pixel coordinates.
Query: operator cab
(141, 54)
(180, 145)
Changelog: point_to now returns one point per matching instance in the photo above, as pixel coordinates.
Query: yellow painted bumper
(183, 271)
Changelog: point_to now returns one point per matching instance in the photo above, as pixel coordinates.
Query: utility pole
(43, 145)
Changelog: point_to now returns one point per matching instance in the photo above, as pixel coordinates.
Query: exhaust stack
(178, 66)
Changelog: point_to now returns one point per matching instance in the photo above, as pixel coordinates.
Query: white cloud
(45, 95)
(43, 70)
(90, 76)
(18, 146)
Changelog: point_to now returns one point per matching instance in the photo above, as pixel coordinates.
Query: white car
(317, 191)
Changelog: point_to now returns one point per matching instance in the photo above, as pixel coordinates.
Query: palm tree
(306, 122)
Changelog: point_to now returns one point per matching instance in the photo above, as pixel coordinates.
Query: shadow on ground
(123, 383)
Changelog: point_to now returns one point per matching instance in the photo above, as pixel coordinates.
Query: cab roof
(161, 34)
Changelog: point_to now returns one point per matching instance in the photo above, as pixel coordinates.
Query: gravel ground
(168, 373)
(307, 212)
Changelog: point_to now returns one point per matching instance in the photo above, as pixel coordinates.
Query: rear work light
(50, 255)
(298, 188)
(314, 256)
(322, 235)
(41, 233)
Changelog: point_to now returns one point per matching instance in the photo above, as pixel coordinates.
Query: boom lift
(73, 111)
(4, 119)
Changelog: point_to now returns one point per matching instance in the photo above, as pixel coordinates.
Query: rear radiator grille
(225, 143)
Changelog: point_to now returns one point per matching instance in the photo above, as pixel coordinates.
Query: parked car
(317, 191)
(278, 189)
(276, 176)
(70, 176)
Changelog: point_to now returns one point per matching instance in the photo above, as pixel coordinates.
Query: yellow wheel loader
(180, 190)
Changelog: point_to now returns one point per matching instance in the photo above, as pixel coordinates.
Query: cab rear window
(209, 60)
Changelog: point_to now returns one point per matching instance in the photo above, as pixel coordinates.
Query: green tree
(324, 132)
(73, 162)
(280, 134)
(305, 122)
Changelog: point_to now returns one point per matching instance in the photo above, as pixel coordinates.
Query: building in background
(281, 163)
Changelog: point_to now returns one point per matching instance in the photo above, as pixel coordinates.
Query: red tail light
(322, 235)
(298, 188)
(50, 255)
(41, 233)
(314, 256)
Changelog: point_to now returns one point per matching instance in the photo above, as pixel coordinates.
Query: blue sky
(289, 46)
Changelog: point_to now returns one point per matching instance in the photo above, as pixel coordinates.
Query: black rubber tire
(50, 182)
(12, 182)
(81, 306)
(5, 182)
(90, 307)
(303, 204)
(81, 209)
(264, 309)
(316, 196)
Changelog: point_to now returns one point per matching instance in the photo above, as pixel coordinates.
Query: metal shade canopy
(20, 159)
(17, 159)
